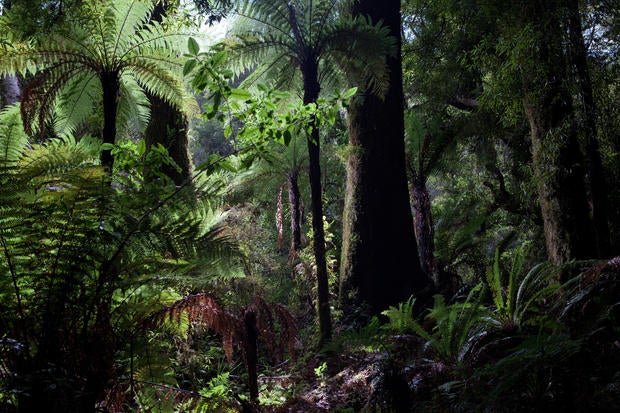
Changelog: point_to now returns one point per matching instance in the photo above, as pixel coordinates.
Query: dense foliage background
(339, 205)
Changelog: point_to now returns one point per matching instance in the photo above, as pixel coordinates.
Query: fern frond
(76, 102)
(361, 49)
(157, 80)
(203, 309)
(13, 139)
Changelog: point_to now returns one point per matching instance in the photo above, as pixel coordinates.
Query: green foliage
(531, 367)
(456, 326)
(69, 65)
(82, 259)
(401, 319)
(517, 294)
(269, 34)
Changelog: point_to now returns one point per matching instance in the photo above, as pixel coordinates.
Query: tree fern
(109, 42)
(71, 244)
(268, 35)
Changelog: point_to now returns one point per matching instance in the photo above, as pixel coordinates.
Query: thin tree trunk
(110, 84)
(594, 164)
(424, 231)
(10, 91)
(295, 206)
(380, 265)
(251, 354)
(311, 94)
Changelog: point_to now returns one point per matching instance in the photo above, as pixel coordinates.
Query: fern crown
(112, 38)
(269, 35)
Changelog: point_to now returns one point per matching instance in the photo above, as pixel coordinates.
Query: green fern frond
(13, 139)
(76, 103)
(117, 39)
(268, 35)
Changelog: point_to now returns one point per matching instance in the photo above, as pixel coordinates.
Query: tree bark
(594, 164)
(423, 224)
(10, 91)
(311, 93)
(110, 84)
(168, 126)
(295, 206)
(380, 265)
(251, 353)
(558, 161)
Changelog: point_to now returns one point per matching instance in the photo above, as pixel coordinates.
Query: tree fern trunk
(110, 84)
(424, 231)
(311, 94)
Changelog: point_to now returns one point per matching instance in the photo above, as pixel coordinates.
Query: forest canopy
(334, 205)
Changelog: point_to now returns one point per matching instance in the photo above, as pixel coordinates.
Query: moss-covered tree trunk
(558, 161)
(310, 73)
(380, 264)
(10, 92)
(168, 125)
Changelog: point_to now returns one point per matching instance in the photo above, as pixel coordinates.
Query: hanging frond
(280, 219)
(204, 310)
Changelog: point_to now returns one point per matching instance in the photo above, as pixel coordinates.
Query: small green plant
(401, 317)
(515, 295)
(321, 373)
(456, 325)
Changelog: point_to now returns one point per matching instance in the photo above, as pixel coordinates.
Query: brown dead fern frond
(203, 310)
(265, 326)
(289, 334)
(280, 220)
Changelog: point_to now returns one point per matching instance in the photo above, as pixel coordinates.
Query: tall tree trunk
(555, 148)
(380, 265)
(594, 164)
(251, 353)
(311, 94)
(110, 84)
(294, 198)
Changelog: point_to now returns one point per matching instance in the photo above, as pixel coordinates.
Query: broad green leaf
(189, 66)
(349, 93)
(240, 94)
(192, 46)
